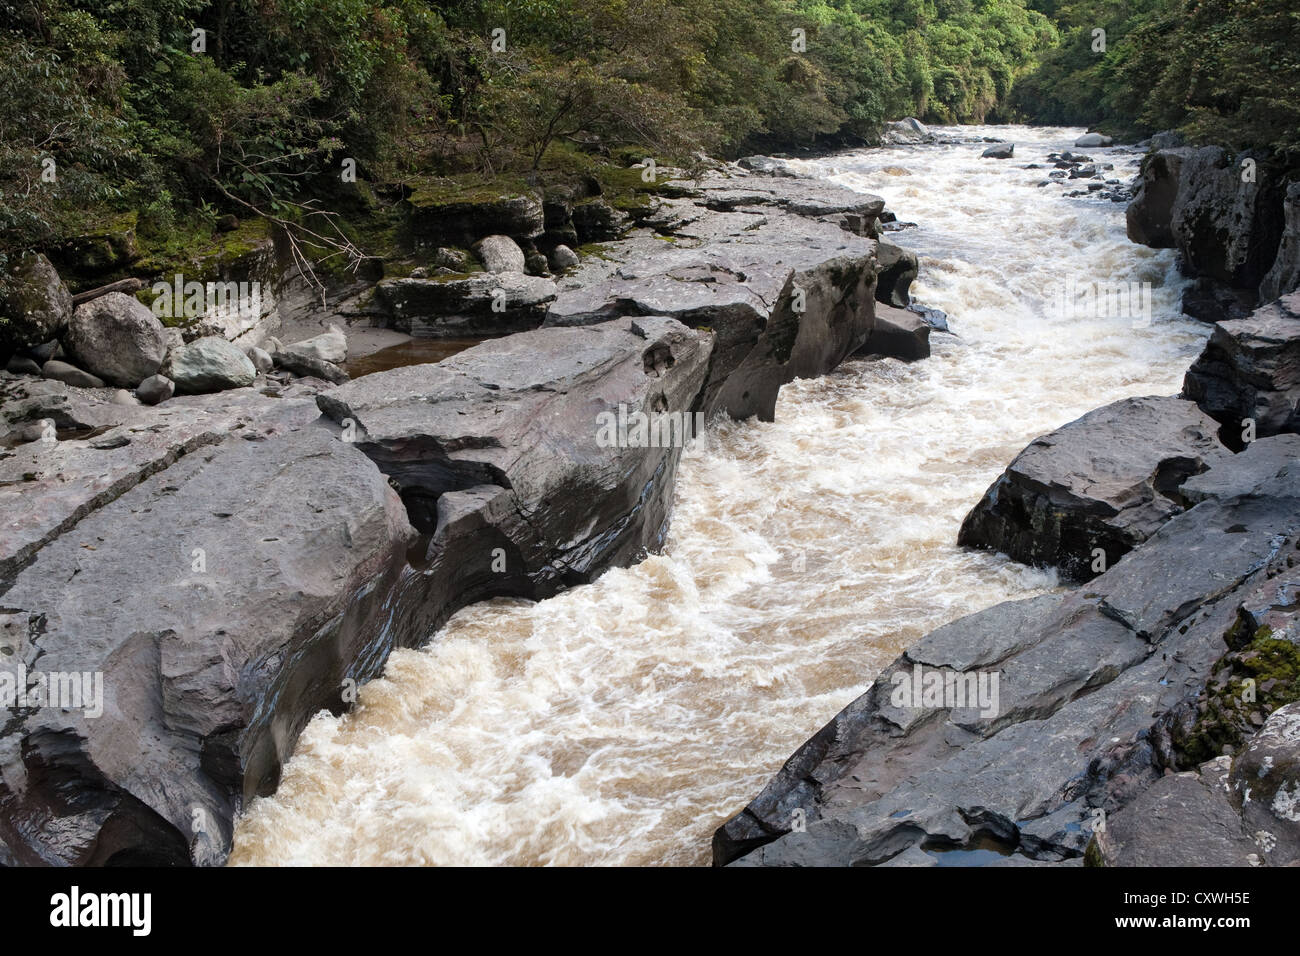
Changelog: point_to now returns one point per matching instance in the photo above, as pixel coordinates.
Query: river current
(623, 721)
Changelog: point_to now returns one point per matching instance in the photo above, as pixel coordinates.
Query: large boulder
(1107, 481)
(459, 217)
(1150, 215)
(1284, 275)
(1250, 369)
(1092, 140)
(500, 254)
(898, 334)
(35, 305)
(209, 365)
(482, 304)
(999, 151)
(117, 338)
(70, 374)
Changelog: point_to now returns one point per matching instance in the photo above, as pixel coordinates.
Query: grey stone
(261, 360)
(1108, 480)
(22, 365)
(1283, 276)
(331, 346)
(897, 270)
(500, 254)
(465, 306)
(1092, 140)
(1265, 786)
(34, 303)
(563, 258)
(155, 389)
(898, 334)
(999, 151)
(70, 375)
(308, 366)
(209, 365)
(117, 338)
(1266, 466)
(1250, 369)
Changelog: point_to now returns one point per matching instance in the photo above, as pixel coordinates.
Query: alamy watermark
(181, 299)
(954, 690)
(1085, 299)
(633, 428)
(62, 690)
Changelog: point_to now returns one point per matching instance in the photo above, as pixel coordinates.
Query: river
(623, 721)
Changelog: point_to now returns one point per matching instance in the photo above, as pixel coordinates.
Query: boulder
(117, 338)
(1185, 819)
(70, 375)
(500, 254)
(35, 305)
(898, 268)
(1267, 466)
(999, 151)
(562, 259)
(1108, 481)
(536, 264)
(22, 365)
(898, 334)
(597, 221)
(308, 366)
(155, 389)
(209, 365)
(1265, 785)
(1283, 276)
(1149, 216)
(1250, 369)
(331, 346)
(478, 305)
(768, 166)
(261, 360)
(1092, 140)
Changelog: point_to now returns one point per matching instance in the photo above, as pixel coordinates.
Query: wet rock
(898, 334)
(1083, 680)
(209, 365)
(452, 259)
(155, 389)
(898, 268)
(999, 151)
(499, 254)
(1186, 819)
(768, 166)
(1087, 171)
(1211, 301)
(1267, 466)
(1106, 481)
(1091, 140)
(35, 305)
(70, 375)
(1150, 215)
(536, 264)
(117, 338)
(1265, 785)
(1283, 276)
(1250, 369)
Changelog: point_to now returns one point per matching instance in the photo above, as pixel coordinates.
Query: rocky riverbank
(241, 554)
(1147, 715)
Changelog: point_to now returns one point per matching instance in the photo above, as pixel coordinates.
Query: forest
(183, 111)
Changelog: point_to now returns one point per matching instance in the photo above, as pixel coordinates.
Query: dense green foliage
(256, 114)
(1224, 71)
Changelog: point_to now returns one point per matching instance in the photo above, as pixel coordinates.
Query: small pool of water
(413, 352)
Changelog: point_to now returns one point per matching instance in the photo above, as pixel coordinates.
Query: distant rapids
(623, 721)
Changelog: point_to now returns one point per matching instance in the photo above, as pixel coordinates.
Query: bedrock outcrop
(1082, 497)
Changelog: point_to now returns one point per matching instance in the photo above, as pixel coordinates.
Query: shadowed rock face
(1250, 369)
(1108, 480)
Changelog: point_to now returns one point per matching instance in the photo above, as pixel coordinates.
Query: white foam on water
(622, 721)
